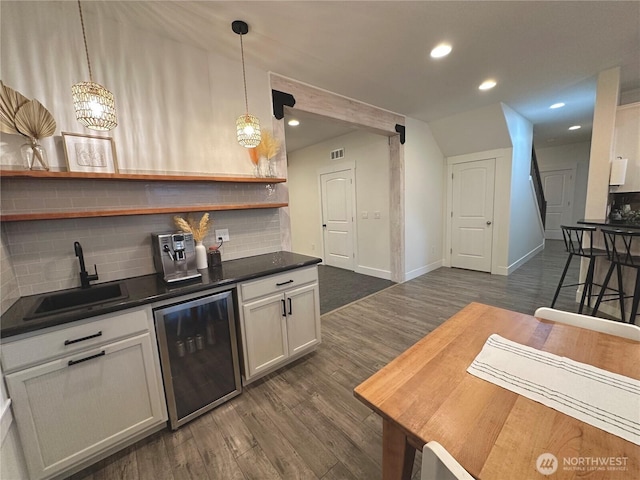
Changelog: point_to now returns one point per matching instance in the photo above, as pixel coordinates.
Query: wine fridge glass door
(199, 355)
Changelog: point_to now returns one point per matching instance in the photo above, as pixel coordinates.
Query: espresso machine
(174, 255)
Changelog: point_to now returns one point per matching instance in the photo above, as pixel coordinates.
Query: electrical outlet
(223, 234)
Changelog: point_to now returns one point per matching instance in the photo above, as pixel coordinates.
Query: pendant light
(247, 125)
(95, 106)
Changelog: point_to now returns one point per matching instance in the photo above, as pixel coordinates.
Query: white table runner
(600, 398)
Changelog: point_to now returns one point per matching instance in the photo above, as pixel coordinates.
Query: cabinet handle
(284, 308)
(290, 311)
(283, 283)
(69, 342)
(90, 357)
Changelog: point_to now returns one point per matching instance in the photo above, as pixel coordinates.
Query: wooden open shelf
(16, 217)
(138, 177)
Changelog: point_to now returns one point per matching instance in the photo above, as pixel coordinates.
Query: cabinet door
(266, 333)
(71, 408)
(303, 318)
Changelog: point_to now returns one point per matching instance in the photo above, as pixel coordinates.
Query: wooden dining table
(426, 394)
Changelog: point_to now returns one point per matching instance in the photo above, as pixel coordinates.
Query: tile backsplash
(38, 256)
(44, 259)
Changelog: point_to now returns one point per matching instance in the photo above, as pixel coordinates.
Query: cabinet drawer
(279, 282)
(102, 329)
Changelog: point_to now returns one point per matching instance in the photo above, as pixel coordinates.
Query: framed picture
(88, 153)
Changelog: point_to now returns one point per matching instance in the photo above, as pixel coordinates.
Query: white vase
(201, 256)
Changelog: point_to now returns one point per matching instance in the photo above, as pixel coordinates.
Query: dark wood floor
(303, 422)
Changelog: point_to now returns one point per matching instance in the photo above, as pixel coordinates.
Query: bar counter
(618, 224)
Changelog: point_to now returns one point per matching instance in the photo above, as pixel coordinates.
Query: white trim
(416, 272)
(518, 263)
(373, 272)
(6, 418)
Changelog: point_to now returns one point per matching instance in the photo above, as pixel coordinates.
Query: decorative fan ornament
(10, 103)
(34, 121)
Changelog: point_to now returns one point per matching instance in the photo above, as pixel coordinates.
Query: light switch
(376, 215)
(365, 214)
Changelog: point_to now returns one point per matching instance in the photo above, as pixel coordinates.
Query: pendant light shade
(95, 106)
(247, 125)
(248, 130)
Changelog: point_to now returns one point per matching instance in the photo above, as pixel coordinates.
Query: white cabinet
(280, 320)
(72, 406)
(627, 144)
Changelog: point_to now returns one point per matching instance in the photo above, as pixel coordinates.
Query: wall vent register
(337, 154)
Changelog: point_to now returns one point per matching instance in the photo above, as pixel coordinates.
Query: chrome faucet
(85, 277)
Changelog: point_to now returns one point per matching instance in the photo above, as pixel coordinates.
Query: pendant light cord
(86, 49)
(244, 75)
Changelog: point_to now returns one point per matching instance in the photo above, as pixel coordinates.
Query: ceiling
(377, 52)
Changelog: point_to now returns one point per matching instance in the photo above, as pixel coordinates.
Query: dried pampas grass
(253, 155)
(34, 121)
(198, 229)
(269, 146)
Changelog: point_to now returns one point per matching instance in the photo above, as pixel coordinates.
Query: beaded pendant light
(247, 125)
(95, 106)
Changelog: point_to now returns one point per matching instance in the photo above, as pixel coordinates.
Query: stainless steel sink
(76, 299)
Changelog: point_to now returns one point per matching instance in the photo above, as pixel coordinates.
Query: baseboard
(373, 272)
(416, 272)
(517, 264)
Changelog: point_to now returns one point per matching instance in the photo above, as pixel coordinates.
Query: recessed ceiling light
(557, 105)
(487, 84)
(293, 122)
(441, 50)
(575, 127)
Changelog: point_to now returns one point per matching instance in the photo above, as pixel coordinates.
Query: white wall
(176, 104)
(370, 153)
(574, 155)
(425, 172)
(526, 233)
(473, 131)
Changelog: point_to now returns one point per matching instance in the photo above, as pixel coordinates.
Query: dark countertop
(152, 288)
(610, 223)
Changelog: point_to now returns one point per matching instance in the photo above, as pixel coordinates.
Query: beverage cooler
(198, 354)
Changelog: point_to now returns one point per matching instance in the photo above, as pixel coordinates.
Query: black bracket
(280, 99)
(400, 130)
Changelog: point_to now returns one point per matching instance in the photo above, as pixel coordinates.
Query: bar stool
(619, 245)
(574, 243)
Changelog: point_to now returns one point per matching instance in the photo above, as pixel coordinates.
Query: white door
(472, 215)
(337, 218)
(558, 192)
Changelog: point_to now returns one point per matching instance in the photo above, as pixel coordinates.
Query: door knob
(489, 222)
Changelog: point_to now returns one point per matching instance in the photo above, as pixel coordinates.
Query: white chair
(438, 464)
(619, 329)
